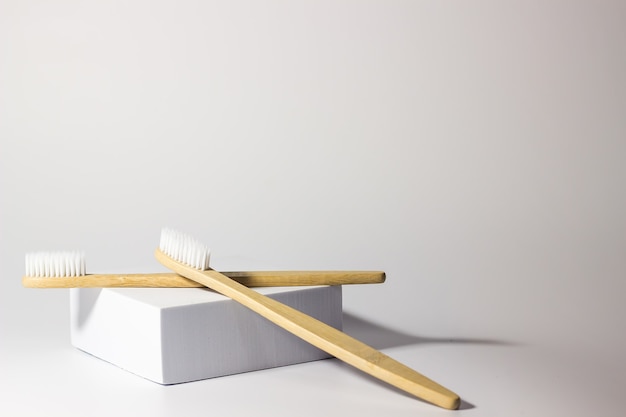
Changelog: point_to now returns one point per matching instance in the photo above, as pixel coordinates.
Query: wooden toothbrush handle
(299, 278)
(321, 335)
(158, 280)
(171, 280)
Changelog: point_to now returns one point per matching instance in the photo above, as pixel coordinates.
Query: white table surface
(42, 374)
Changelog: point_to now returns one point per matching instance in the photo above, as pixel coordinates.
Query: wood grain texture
(319, 334)
(171, 280)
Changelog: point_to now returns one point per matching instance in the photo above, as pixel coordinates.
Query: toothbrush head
(55, 264)
(185, 249)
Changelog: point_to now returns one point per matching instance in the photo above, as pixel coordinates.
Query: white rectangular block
(185, 334)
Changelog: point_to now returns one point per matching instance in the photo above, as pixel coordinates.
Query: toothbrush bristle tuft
(55, 264)
(185, 249)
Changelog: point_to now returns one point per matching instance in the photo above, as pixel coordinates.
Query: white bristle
(55, 264)
(184, 249)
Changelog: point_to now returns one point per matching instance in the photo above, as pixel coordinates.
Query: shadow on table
(379, 336)
(382, 337)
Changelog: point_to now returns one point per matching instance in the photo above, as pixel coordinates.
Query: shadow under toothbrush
(381, 337)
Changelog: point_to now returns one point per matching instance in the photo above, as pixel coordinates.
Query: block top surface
(177, 297)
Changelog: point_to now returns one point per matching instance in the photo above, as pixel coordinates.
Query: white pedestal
(185, 334)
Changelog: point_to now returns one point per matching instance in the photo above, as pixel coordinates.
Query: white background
(474, 150)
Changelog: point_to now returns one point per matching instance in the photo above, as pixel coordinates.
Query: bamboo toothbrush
(67, 270)
(190, 258)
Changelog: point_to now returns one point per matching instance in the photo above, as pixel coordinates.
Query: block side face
(223, 338)
(117, 329)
